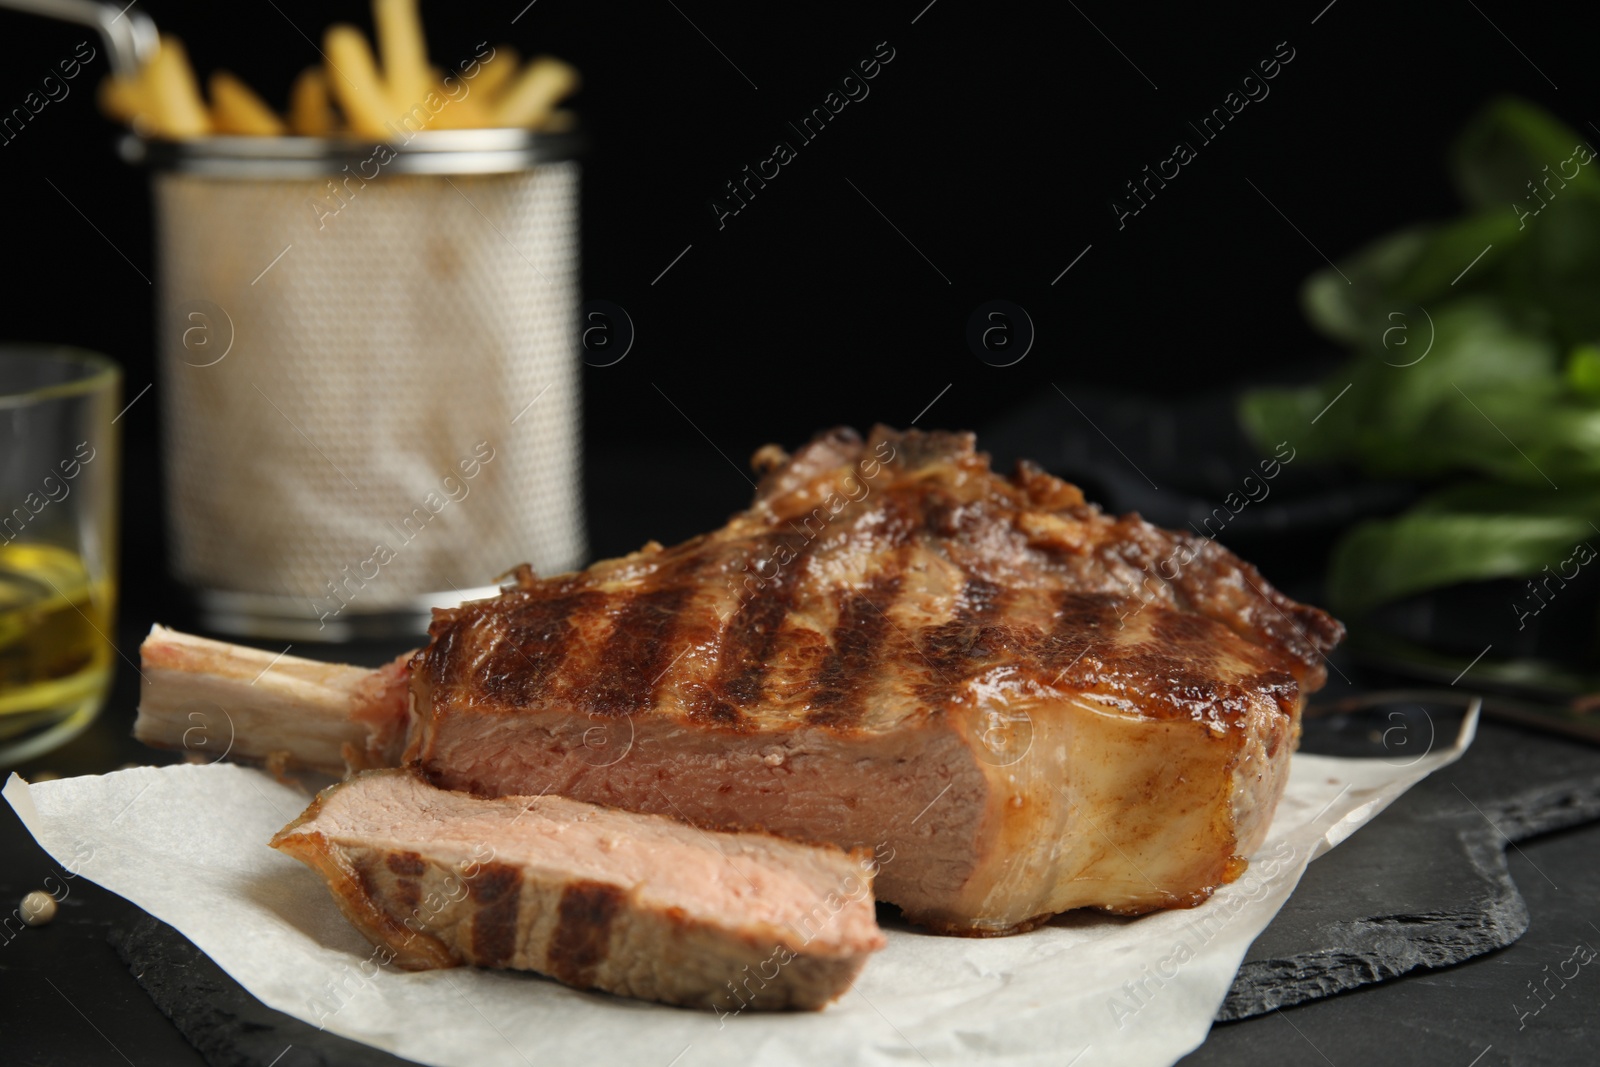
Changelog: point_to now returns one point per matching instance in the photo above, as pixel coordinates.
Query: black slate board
(230, 1027)
(1425, 885)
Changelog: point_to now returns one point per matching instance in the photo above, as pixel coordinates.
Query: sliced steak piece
(638, 905)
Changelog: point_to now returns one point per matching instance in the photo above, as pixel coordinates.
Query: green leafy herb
(1475, 354)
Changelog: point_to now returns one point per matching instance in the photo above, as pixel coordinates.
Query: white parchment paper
(189, 845)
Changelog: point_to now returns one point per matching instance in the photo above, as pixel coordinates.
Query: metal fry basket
(369, 373)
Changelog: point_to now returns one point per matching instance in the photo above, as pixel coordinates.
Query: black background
(993, 142)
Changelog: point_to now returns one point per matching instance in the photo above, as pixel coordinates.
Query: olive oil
(55, 653)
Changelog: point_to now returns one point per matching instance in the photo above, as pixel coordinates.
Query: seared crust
(1032, 705)
(869, 584)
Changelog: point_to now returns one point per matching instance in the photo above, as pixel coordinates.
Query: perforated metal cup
(369, 373)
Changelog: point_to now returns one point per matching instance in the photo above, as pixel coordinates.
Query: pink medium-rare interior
(916, 799)
(747, 880)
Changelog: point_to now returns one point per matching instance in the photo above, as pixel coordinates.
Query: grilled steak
(600, 899)
(1029, 705)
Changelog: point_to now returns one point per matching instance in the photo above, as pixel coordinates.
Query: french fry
(121, 99)
(530, 99)
(403, 51)
(310, 112)
(350, 91)
(353, 76)
(463, 111)
(495, 73)
(235, 108)
(169, 88)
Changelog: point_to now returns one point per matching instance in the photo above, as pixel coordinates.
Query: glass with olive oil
(58, 512)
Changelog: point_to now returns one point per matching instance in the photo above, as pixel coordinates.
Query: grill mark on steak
(957, 648)
(638, 651)
(1082, 622)
(407, 896)
(405, 863)
(941, 515)
(970, 634)
(857, 653)
(539, 635)
(407, 890)
(438, 659)
(582, 937)
(1192, 633)
(366, 878)
(651, 627)
(841, 685)
(752, 631)
(702, 704)
(1180, 649)
(497, 891)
